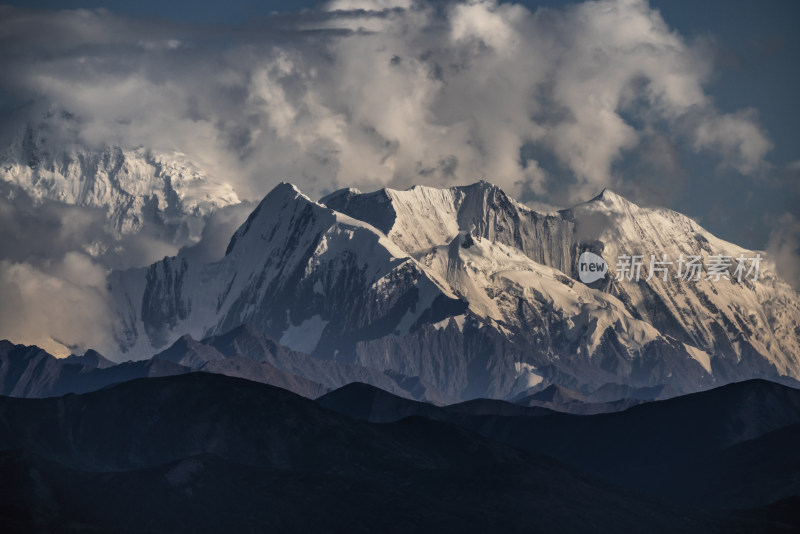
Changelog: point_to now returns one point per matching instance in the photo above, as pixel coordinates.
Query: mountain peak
(285, 190)
(133, 185)
(90, 358)
(610, 200)
(482, 184)
(246, 330)
(282, 197)
(608, 195)
(344, 193)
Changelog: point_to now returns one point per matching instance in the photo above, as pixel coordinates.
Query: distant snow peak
(131, 185)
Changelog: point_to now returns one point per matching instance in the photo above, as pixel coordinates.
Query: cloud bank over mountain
(385, 93)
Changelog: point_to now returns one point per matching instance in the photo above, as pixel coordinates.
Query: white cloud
(61, 309)
(738, 137)
(54, 259)
(386, 92)
(367, 5)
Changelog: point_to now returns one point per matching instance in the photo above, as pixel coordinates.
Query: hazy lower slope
(28, 371)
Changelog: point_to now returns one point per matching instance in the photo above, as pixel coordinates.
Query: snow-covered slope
(315, 279)
(421, 218)
(736, 323)
(740, 328)
(132, 186)
(472, 292)
(494, 279)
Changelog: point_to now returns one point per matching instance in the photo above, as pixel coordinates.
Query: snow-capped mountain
(472, 292)
(132, 186)
(295, 269)
(736, 323)
(747, 325)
